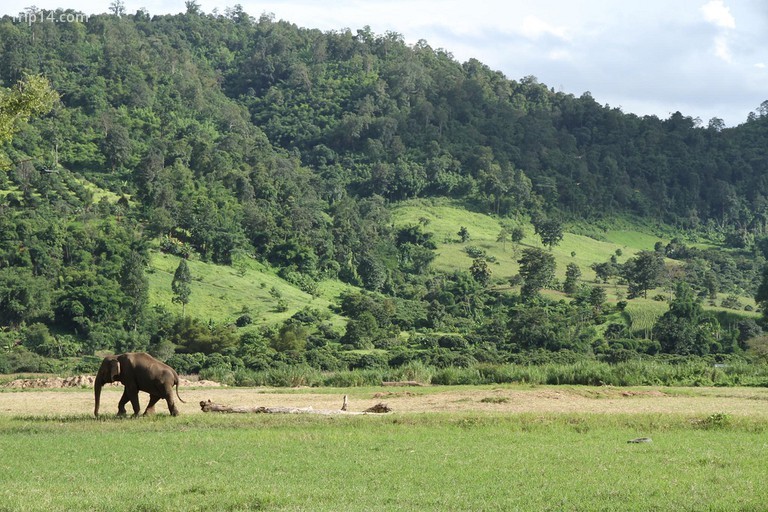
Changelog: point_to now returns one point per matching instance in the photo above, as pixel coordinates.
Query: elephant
(138, 372)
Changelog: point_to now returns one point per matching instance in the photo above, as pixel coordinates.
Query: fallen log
(208, 406)
(401, 383)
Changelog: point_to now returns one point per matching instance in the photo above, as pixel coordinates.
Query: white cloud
(760, 65)
(534, 28)
(560, 54)
(717, 13)
(722, 50)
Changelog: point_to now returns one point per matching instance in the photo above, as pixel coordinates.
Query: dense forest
(219, 137)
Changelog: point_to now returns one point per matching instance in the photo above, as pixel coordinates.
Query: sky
(703, 58)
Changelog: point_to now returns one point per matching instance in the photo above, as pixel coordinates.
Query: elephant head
(108, 372)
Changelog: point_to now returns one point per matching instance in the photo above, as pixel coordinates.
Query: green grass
(98, 192)
(445, 217)
(643, 314)
(220, 292)
(398, 462)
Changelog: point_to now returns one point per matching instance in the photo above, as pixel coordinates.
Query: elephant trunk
(97, 392)
(108, 372)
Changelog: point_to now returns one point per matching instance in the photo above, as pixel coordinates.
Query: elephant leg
(172, 407)
(134, 396)
(153, 399)
(121, 405)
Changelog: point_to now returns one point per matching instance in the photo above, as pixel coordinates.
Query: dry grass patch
(497, 399)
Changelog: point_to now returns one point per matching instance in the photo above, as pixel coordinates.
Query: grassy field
(444, 218)
(221, 293)
(474, 457)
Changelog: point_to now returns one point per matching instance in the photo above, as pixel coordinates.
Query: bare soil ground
(501, 399)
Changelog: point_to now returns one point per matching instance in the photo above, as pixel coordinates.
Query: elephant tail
(177, 391)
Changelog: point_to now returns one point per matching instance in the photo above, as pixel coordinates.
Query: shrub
(412, 371)
(718, 420)
(452, 376)
(20, 360)
(243, 320)
(354, 378)
(187, 363)
(222, 374)
(293, 376)
(731, 302)
(475, 252)
(495, 400)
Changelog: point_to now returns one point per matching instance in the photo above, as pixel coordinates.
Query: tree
(292, 337)
(503, 238)
(597, 297)
(604, 271)
(685, 328)
(117, 146)
(643, 272)
(517, 235)
(180, 285)
(31, 96)
(117, 7)
(135, 287)
(372, 272)
(361, 331)
(761, 296)
(23, 297)
(193, 7)
(537, 269)
(572, 275)
(549, 230)
(463, 234)
(480, 271)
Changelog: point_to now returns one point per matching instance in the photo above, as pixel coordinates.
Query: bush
(714, 421)
(354, 378)
(293, 376)
(21, 360)
(412, 371)
(187, 363)
(243, 320)
(325, 359)
(87, 365)
(475, 252)
(731, 302)
(452, 376)
(222, 374)
(452, 341)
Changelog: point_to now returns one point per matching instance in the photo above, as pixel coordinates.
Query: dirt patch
(701, 402)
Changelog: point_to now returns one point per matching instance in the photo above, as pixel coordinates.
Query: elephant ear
(114, 370)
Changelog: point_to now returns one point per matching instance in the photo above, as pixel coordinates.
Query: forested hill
(356, 113)
(225, 138)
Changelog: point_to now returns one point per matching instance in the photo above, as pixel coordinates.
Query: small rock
(641, 440)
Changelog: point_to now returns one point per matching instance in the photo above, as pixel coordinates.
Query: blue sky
(704, 58)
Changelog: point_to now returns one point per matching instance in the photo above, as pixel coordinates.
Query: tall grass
(643, 372)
